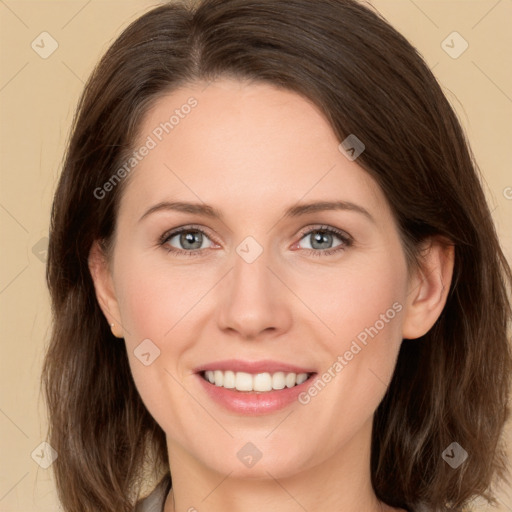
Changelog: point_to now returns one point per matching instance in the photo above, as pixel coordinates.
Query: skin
(251, 151)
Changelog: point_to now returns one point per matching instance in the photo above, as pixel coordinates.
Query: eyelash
(344, 237)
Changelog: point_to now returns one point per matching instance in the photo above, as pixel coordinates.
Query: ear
(429, 285)
(104, 287)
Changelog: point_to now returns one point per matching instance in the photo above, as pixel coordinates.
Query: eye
(190, 241)
(321, 240)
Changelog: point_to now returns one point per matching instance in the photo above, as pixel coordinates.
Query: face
(258, 291)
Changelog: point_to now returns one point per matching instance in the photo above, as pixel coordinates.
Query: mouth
(263, 382)
(253, 387)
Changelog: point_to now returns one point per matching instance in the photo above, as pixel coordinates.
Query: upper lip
(237, 365)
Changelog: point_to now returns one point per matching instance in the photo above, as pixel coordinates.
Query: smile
(260, 382)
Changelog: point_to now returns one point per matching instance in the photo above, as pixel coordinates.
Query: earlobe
(428, 288)
(103, 285)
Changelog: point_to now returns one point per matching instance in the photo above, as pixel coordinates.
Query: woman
(335, 337)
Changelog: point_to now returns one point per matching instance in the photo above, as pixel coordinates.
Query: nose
(254, 302)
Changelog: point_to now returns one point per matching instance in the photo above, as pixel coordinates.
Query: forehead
(244, 144)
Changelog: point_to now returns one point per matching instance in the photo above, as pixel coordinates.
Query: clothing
(156, 500)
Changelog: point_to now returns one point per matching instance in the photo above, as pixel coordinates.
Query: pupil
(322, 238)
(192, 239)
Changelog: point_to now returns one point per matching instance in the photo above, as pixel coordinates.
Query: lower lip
(253, 402)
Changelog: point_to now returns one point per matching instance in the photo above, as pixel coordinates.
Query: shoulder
(155, 501)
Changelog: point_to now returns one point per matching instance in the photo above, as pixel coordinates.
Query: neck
(341, 482)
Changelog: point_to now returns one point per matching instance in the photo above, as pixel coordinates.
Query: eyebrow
(294, 211)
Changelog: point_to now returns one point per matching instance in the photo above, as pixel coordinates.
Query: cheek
(366, 294)
(366, 319)
(154, 303)
(156, 297)
(153, 298)
(159, 302)
(361, 358)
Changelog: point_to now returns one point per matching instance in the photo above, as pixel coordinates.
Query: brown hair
(450, 385)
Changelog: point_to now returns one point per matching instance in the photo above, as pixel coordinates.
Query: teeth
(219, 378)
(229, 380)
(242, 381)
(302, 377)
(290, 380)
(279, 380)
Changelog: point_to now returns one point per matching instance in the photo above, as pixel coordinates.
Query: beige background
(37, 100)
